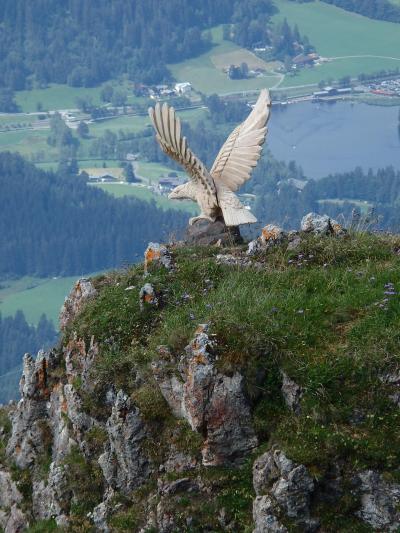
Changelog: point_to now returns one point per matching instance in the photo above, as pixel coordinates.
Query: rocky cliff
(251, 388)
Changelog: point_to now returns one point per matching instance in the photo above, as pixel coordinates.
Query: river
(335, 137)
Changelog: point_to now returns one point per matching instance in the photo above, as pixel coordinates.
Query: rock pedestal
(203, 232)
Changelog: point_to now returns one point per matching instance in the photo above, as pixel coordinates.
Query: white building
(183, 88)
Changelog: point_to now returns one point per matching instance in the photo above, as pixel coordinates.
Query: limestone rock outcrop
(209, 401)
(82, 291)
(283, 487)
(124, 462)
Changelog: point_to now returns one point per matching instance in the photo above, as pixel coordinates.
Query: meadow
(355, 43)
(35, 296)
(119, 190)
(206, 74)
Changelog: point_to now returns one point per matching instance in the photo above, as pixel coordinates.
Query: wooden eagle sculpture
(214, 190)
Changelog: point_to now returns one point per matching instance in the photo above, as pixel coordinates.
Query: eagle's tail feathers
(234, 212)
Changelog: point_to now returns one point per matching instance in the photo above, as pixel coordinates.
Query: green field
(35, 296)
(339, 34)
(120, 190)
(206, 74)
(64, 97)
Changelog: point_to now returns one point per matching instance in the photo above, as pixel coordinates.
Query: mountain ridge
(248, 388)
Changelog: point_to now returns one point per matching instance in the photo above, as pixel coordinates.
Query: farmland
(120, 190)
(364, 45)
(206, 73)
(35, 296)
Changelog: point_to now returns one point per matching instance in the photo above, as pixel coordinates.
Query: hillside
(53, 224)
(213, 390)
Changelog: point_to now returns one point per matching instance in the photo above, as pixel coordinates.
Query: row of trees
(55, 224)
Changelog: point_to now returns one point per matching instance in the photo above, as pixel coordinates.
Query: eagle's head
(183, 192)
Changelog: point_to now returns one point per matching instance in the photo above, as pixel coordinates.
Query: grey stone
(380, 502)
(157, 254)
(271, 235)
(26, 440)
(172, 487)
(209, 401)
(204, 232)
(264, 518)
(124, 462)
(314, 223)
(292, 393)
(147, 296)
(254, 247)
(287, 485)
(82, 291)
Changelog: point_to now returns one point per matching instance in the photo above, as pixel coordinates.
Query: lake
(335, 137)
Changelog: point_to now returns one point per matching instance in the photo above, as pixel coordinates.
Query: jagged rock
(380, 502)
(82, 291)
(101, 512)
(263, 516)
(292, 393)
(147, 295)
(9, 493)
(179, 462)
(79, 360)
(13, 520)
(172, 487)
(229, 437)
(157, 254)
(165, 517)
(203, 232)
(26, 440)
(57, 411)
(52, 499)
(271, 234)
(288, 485)
(321, 224)
(209, 401)
(254, 247)
(124, 463)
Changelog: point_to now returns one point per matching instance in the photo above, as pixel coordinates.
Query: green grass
(205, 72)
(317, 313)
(58, 96)
(35, 296)
(121, 189)
(323, 24)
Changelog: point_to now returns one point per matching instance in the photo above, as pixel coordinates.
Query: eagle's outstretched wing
(168, 134)
(242, 149)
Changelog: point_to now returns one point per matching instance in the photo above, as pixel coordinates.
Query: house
(132, 157)
(167, 184)
(183, 88)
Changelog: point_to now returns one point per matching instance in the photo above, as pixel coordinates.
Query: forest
(18, 337)
(84, 43)
(54, 224)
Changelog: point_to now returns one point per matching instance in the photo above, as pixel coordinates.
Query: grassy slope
(206, 74)
(320, 316)
(119, 190)
(335, 33)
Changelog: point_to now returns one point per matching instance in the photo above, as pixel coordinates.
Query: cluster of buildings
(386, 87)
(333, 91)
(157, 92)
